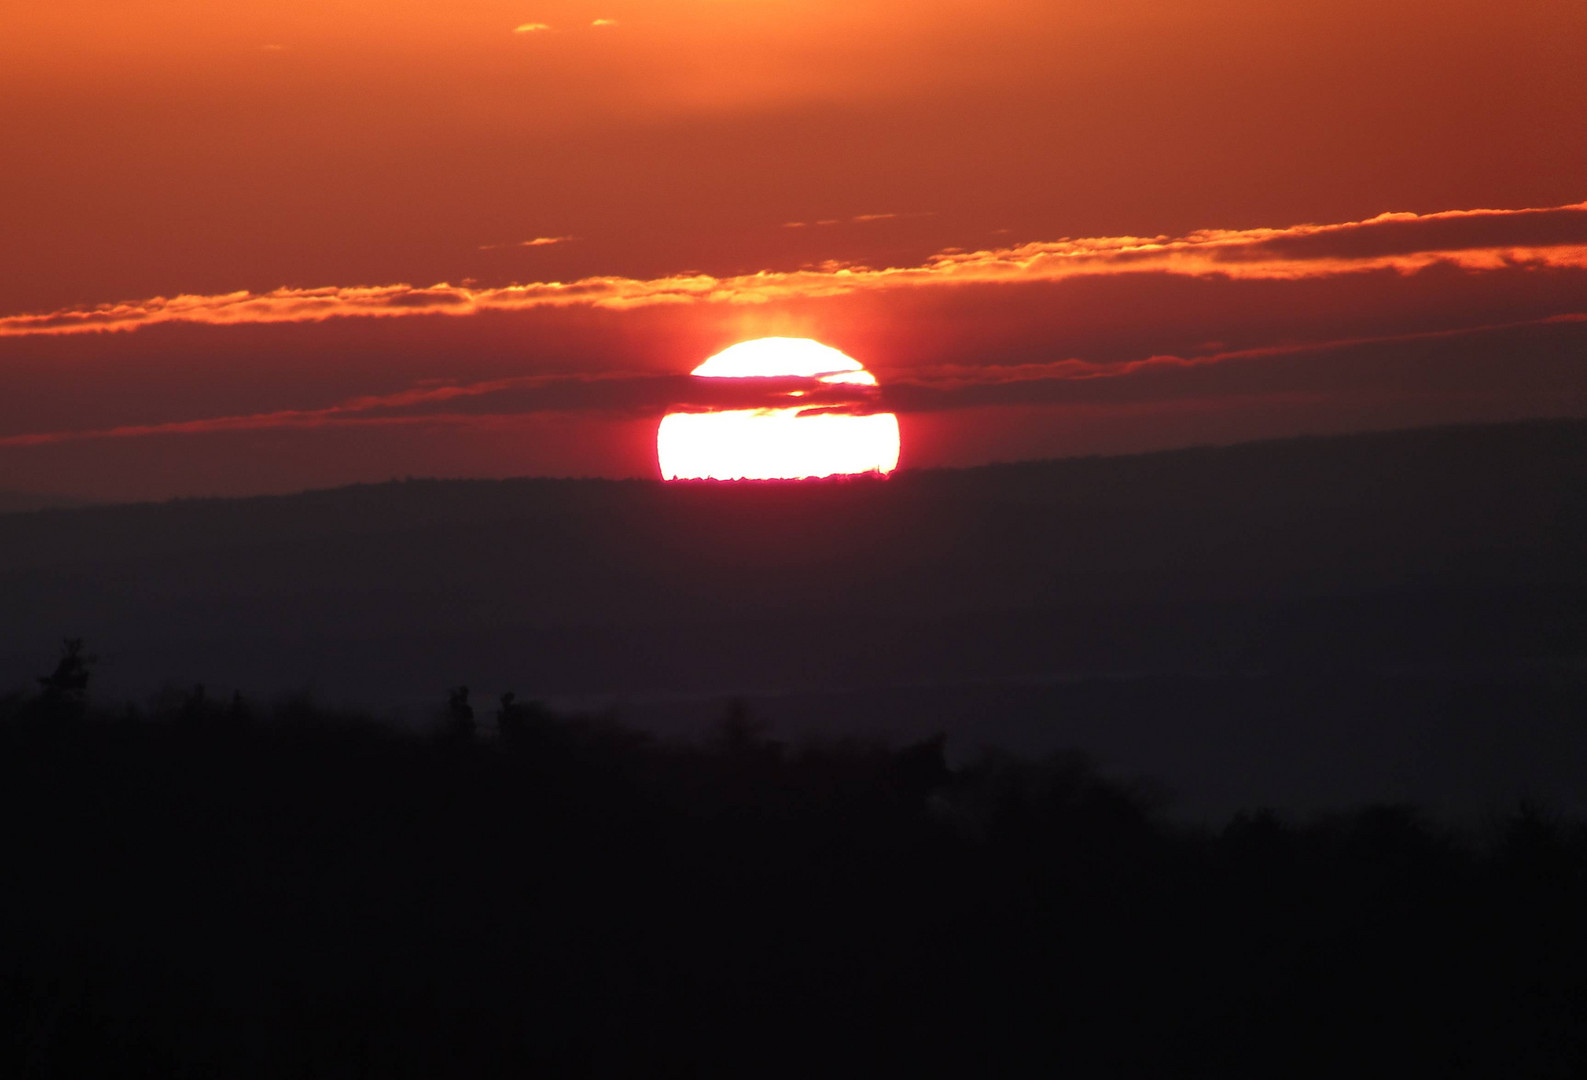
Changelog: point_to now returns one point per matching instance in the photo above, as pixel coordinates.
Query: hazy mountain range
(12, 502)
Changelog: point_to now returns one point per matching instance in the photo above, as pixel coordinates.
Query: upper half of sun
(786, 357)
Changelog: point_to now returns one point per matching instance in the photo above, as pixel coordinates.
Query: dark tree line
(208, 888)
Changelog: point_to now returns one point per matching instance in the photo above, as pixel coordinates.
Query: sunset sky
(257, 247)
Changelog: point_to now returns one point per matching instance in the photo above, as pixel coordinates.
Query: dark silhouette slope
(215, 891)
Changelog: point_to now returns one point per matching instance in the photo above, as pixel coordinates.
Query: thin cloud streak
(857, 219)
(1472, 240)
(539, 241)
(957, 386)
(638, 394)
(345, 412)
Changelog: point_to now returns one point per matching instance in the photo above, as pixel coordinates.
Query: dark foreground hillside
(219, 890)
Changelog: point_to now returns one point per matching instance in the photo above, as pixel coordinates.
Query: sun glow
(836, 433)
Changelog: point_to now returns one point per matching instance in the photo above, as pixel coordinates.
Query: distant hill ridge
(1305, 622)
(17, 502)
(1490, 446)
(1377, 544)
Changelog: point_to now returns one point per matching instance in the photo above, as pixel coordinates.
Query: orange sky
(1100, 177)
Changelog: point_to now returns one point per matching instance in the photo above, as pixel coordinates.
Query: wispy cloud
(425, 403)
(539, 241)
(1473, 240)
(926, 389)
(603, 22)
(530, 28)
(637, 393)
(959, 385)
(857, 219)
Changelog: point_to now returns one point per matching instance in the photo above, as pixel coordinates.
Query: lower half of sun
(778, 409)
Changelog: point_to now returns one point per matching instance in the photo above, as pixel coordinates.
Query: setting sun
(834, 432)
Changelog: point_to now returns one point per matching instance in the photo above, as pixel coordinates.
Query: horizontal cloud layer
(928, 389)
(1474, 240)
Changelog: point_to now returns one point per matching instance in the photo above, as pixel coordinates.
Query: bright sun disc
(838, 437)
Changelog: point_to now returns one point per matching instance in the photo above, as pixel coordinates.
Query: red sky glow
(262, 247)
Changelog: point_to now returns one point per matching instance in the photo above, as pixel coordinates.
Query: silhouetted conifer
(193, 705)
(459, 714)
(64, 692)
(517, 720)
(921, 768)
(742, 734)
